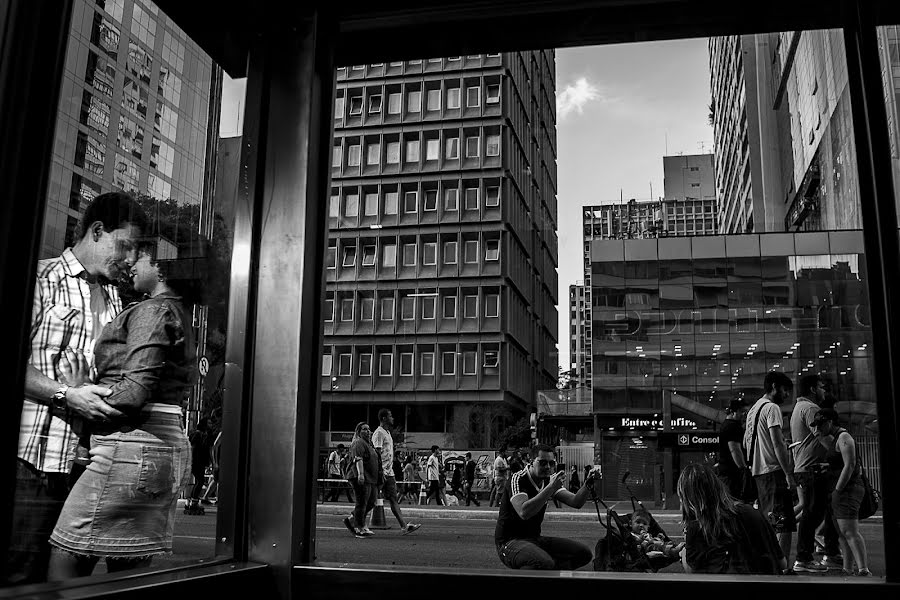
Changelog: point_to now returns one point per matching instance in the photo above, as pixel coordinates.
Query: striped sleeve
(514, 484)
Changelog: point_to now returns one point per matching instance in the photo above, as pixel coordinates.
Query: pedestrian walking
(433, 476)
(470, 480)
(384, 445)
(363, 474)
(501, 471)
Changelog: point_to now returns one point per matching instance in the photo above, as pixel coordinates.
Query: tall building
(139, 111)
(441, 265)
(783, 134)
(689, 177)
(579, 336)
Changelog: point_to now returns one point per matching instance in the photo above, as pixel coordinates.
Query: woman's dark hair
(186, 267)
(704, 499)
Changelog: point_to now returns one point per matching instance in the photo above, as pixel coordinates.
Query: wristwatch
(58, 399)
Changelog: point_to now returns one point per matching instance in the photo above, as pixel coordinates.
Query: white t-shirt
(334, 463)
(433, 468)
(764, 458)
(382, 439)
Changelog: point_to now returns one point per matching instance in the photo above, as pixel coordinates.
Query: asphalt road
(457, 543)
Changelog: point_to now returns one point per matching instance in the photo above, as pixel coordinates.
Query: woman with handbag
(848, 491)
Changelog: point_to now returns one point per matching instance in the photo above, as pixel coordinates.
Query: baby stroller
(618, 550)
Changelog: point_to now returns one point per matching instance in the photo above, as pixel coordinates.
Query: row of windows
(350, 151)
(387, 203)
(466, 362)
(412, 252)
(390, 99)
(414, 65)
(411, 305)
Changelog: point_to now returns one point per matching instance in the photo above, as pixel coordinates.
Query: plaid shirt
(61, 318)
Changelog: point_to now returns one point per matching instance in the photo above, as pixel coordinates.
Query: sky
(620, 109)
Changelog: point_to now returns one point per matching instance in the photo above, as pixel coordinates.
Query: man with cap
(732, 464)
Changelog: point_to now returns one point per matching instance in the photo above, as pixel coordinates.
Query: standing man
(520, 544)
(470, 481)
(433, 476)
(732, 462)
(770, 460)
(501, 470)
(335, 466)
(384, 444)
(74, 298)
(812, 482)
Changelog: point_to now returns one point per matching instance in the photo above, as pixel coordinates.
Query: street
(462, 538)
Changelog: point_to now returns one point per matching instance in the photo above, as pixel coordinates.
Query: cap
(736, 405)
(825, 414)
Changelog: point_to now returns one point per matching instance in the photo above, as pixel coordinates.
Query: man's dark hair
(778, 379)
(808, 382)
(113, 209)
(340, 447)
(543, 448)
(433, 448)
(383, 413)
(468, 455)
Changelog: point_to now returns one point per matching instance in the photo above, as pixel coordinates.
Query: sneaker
(410, 527)
(348, 523)
(367, 532)
(863, 573)
(832, 563)
(809, 566)
(846, 573)
(789, 572)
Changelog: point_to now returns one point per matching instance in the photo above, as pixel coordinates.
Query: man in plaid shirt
(74, 297)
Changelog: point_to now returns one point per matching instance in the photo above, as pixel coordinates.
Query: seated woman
(722, 536)
(122, 509)
(650, 544)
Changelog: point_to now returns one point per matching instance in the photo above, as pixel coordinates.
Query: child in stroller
(653, 546)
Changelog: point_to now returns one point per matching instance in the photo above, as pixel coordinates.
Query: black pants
(816, 488)
(467, 492)
(434, 487)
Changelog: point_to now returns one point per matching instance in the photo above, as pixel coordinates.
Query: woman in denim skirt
(122, 509)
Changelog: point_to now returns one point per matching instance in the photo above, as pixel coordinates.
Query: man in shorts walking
(384, 444)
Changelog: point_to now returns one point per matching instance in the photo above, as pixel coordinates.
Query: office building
(139, 111)
(579, 335)
(441, 266)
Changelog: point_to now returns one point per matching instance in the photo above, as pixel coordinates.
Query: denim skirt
(123, 505)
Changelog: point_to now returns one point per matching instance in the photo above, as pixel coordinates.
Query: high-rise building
(783, 133)
(441, 264)
(139, 111)
(579, 335)
(689, 177)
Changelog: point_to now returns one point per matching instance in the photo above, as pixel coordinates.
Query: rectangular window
(448, 363)
(428, 307)
(353, 155)
(453, 97)
(493, 94)
(351, 205)
(409, 255)
(331, 257)
(366, 308)
(390, 203)
(473, 97)
(373, 154)
(329, 309)
(387, 309)
(336, 156)
(472, 144)
(339, 108)
(356, 105)
(452, 150)
(349, 256)
(345, 364)
(385, 364)
(493, 145)
(470, 251)
(429, 253)
(334, 206)
(375, 103)
(469, 362)
(491, 359)
(347, 309)
(392, 156)
(365, 365)
(414, 101)
(451, 199)
(492, 250)
(389, 255)
(368, 258)
(370, 204)
(433, 100)
(430, 202)
(449, 307)
(449, 253)
(471, 198)
(406, 364)
(410, 202)
(432, 149)
(492, 305)
(470, 307)
(407, 308)
(326, 364)
(428, 363)
(492, 196)
(412, 151)
(394, 103)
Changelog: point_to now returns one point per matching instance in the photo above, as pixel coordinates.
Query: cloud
(573, 97)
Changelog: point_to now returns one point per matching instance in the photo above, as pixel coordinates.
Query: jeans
(818, 508)
(365, 500)
(545, 553)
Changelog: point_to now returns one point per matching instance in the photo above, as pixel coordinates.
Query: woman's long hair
(356, 432)
(704, 499)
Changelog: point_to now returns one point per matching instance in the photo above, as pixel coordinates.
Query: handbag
(869, 503)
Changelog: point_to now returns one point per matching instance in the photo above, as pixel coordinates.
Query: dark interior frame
(289, 55)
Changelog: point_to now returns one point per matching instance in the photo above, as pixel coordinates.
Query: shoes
(809, 566)
(348, 523)
(789, 572)
(832, 563)
(410, 527)
(863, 573)
(846, 573)
(367, 532)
